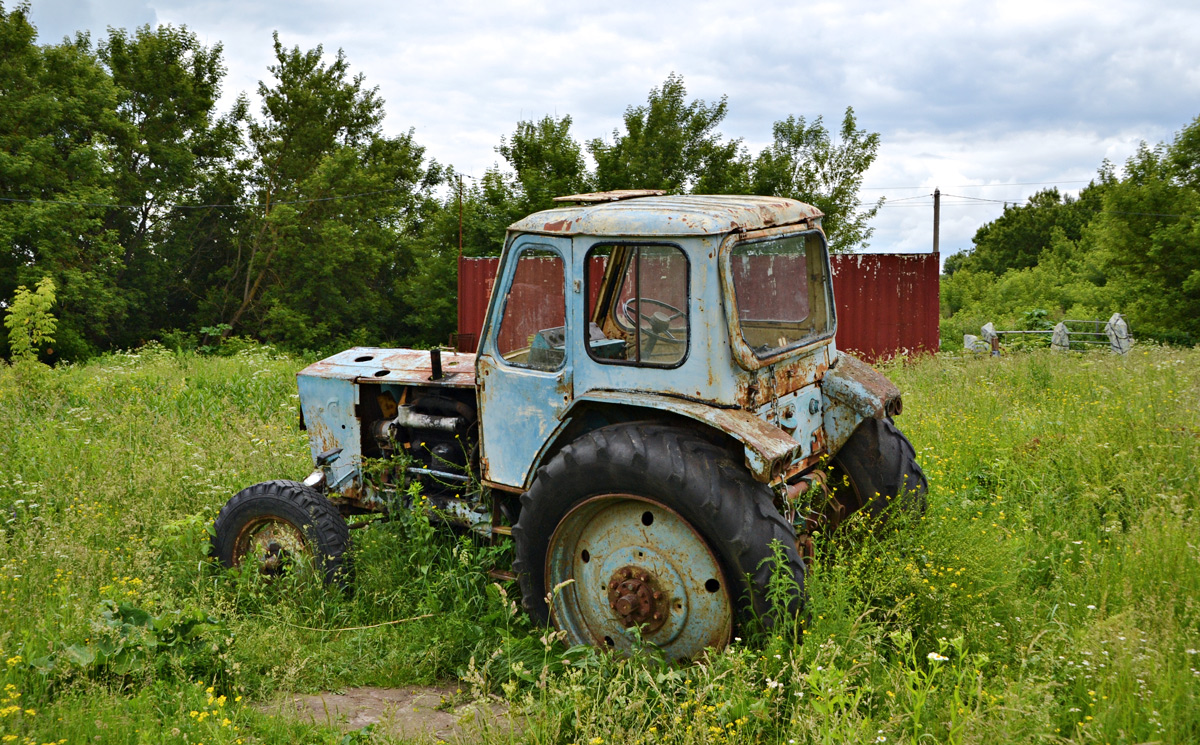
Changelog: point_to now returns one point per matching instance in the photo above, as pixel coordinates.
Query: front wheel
(269, 524)
(876, 471)
(646, 530)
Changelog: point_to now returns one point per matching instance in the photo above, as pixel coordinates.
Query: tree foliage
(805, 163)
(673, 144)
(29, 321)
(302, 223)
(547, 161)
(1130, 243)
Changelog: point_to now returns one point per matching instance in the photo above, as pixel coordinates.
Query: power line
(978, 186)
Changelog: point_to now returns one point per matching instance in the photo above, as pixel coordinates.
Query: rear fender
(853, 391)
(768, 450)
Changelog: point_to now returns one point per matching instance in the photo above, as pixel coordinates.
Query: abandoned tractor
(657, 404)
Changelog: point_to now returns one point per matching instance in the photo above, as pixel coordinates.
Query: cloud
(56, 19)
(963, 93)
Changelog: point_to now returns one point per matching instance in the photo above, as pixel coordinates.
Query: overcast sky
(986, 100)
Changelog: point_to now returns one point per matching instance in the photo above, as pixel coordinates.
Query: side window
(638, 304)
(532, 329)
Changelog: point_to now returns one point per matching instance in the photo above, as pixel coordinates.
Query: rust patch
(557, 226)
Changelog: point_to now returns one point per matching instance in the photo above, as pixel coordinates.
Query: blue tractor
(657, 417)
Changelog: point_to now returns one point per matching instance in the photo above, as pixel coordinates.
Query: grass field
(1051, 593)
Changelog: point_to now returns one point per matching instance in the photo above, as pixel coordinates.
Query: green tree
(1149, 237)
(57, 125)
(548, 162)
(29, 321)
(673, 144)
(1017, 239)
(163, 160)
(805, 163)
(1184, 155)
(317, 257)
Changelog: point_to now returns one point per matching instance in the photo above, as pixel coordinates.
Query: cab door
(523, 371)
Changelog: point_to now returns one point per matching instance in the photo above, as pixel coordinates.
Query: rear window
(782, 292)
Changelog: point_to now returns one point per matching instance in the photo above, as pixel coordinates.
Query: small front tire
(272, 522)
(876, 472)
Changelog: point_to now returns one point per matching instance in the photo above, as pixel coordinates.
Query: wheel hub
(270, 542)
(633, 594)
(624, 571)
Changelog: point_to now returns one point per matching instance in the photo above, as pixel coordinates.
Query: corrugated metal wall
(886, 303)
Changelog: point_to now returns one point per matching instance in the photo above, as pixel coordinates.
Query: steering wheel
(658, 325)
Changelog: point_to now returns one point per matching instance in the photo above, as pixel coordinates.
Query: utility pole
(460, 210)
(937, 216)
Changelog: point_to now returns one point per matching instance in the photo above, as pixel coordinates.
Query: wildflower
(935, 657)
(1091, 607)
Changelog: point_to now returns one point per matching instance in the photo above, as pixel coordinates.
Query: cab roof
(625, 214)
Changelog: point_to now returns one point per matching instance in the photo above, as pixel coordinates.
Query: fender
(854, 391)
(768, 449)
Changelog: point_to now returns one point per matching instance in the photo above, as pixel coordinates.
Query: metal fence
(887, 304)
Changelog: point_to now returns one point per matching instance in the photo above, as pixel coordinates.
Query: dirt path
(411, 712)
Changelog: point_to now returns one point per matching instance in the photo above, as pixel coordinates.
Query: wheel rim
(636, 564)
(268, 541)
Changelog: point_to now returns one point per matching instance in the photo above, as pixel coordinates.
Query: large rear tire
(273, 522)
(649, 526)
(876, 471)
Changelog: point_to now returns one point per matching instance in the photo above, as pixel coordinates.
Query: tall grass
(1051, 592)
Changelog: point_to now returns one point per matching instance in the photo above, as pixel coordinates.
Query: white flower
(1193, 651)
(774, 683)
(779, 657)
(935, 657)
(1091, 607)
(881, 738)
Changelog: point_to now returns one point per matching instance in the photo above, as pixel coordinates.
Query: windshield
(782, 293)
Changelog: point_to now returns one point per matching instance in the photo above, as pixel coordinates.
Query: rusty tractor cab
(656, 401)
